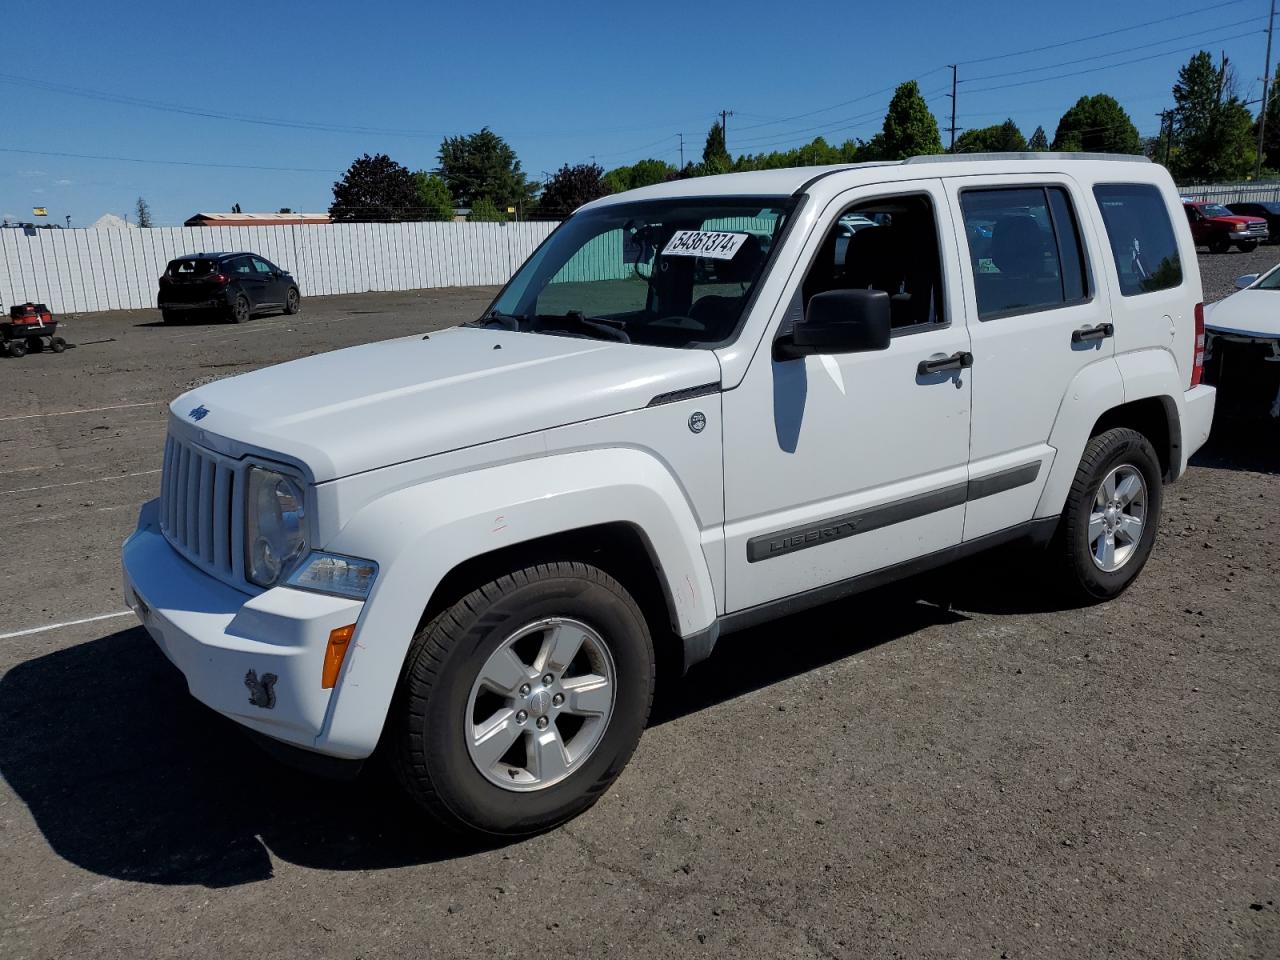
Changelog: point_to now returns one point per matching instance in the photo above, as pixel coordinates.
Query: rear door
(247, 280)
(1039, 316)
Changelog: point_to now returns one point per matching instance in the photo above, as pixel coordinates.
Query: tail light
(1197, 359)
(221, 278)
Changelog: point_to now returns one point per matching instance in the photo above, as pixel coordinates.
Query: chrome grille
(200, 512)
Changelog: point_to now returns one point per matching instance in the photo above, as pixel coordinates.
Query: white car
(1243, 346)
(480, 549)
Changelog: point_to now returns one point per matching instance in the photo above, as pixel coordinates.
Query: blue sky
(561, 82)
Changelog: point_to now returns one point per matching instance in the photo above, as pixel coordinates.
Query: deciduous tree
(434, 200)
(485, 210)
(1097, 124)
(997, 138)
(375, 188)
(570, 188)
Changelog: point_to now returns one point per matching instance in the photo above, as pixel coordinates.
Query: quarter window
(1141, 237)
(1024, 243)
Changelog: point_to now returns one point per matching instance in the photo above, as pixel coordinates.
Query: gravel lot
(954, 767)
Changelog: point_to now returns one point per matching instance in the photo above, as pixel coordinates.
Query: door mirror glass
(1248, 280)
(839, 321)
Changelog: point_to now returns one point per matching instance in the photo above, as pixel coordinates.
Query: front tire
(521, 703)
(292, 302)
(1112, 515)
(1247, 246)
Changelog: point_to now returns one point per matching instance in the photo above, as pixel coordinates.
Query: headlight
(275, 526)
(335, 574)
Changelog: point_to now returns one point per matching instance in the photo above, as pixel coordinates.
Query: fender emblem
(697, 421)
(262, 693)
(199, 413)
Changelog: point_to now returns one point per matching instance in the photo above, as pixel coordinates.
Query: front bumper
(1197, 418)
(1248, 235)
(228, 644)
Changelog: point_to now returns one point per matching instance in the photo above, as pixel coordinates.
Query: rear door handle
(1100, 332)
(936, 364)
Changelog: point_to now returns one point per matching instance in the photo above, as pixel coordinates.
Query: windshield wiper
(606, 328)
(508, 321)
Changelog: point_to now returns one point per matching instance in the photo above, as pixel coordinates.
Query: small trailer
(29, 327)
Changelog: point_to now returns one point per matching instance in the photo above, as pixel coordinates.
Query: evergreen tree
(909, 128)
(1213, 129)
(715, 158)
(1038, 142)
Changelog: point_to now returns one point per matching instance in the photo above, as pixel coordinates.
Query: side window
(240, 266)
(1024, 243)
(1141, 237)
(889, 244)
(263, 267)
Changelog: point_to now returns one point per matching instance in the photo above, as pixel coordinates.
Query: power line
(173, 163)
(836, 106)
(1113, 53)
(1106, 33)
(1111, 66)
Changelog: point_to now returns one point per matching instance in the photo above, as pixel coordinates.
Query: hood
(370, 406)
(1251, 311)
(1238, 218)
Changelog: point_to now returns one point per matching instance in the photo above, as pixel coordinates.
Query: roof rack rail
(1027, 155)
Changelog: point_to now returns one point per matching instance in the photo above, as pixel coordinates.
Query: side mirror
(839, 321)
(1248, 280)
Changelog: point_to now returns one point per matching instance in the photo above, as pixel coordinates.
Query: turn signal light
(339, 641)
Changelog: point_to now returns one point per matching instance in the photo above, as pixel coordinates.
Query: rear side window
(1025, 247)
(1141, 237)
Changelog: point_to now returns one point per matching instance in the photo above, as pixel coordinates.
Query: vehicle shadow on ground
(129, 777)
(1242, 443)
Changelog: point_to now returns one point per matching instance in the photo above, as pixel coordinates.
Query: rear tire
(455, 733)
(240, 309)
(17, 348)
(1112, 515)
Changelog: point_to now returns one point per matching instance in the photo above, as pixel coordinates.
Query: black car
(1268, 210)
(234, 285)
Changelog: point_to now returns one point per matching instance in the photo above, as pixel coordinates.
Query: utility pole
(1266, 80)
(1166, 132)
(724, 127)
(954, 83)
(681, 136)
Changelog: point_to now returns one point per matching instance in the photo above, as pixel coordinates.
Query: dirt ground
(954, 767)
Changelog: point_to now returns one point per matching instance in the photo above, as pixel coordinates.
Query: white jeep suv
(696, 407)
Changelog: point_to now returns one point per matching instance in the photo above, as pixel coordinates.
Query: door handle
(1100, 332)
(957, 361)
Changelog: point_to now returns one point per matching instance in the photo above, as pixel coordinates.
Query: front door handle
(1100, 332)
(957, 361)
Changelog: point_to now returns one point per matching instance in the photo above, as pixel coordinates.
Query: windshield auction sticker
(704, 243)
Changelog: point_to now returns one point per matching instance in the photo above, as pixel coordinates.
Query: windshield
(1270, 282)
(1216, 210)
(674, 272)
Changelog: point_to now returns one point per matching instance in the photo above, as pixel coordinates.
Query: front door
(838, 465)
(1041, 316)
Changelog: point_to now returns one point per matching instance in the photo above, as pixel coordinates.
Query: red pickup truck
(1216, 227)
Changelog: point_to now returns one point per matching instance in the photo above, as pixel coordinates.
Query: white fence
(75, 271)
(1246, 191)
